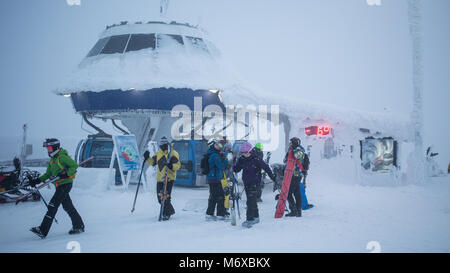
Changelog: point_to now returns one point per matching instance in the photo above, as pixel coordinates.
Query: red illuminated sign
(317, 130)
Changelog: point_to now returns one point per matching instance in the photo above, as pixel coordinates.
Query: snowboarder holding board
(294, 197)
(164, 166)
(64, 167)
(251, 165)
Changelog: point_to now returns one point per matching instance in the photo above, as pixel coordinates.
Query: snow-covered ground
(346, 217)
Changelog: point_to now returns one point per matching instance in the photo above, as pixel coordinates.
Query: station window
(197, 43)
(98, 47)
(165, 37)
(115, 44)
(141, 41)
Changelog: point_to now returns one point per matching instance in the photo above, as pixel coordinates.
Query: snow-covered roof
(178, 56)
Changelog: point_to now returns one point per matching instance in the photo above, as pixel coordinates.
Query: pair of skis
(235, 196)
(164, 194)
(48, 181)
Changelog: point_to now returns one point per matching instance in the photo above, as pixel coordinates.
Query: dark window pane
(177, 38)
(116, 44)
(183, 150)
(98, 47)
(102, 148)
(141, 41)
(197, 43)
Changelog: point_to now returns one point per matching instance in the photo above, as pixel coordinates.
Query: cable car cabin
(191, 153)
(101, 147)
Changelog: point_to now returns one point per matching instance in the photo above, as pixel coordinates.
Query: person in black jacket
(251, 166)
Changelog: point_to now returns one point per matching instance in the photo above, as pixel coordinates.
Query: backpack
(204, 164)
(306, 162)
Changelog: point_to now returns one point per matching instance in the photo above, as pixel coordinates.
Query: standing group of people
(219, 164)
(250, 162)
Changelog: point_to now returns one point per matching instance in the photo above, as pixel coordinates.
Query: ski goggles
(49, 148)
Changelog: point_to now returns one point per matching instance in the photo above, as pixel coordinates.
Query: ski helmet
(52, 145)
(212, 143)
(163, 141)
(259, 146)
(295, 142)
(51, 142)
(245, 148)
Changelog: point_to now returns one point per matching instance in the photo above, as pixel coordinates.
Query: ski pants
(251, 191)
(216, 197)
(61, 196)
(294, 197)
(168, 208)
(303, 194)
(259, 189)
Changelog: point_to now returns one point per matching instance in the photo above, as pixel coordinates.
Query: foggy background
(342, 52)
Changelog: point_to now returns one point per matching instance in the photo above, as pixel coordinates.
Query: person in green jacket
(65, 168)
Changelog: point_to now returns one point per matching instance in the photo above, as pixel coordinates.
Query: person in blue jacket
(251, 166)
(218, 162)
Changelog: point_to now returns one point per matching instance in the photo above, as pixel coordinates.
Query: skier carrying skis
(172, 166)
(251, 165)
(64, 167)
(295, 206)
(217, 162)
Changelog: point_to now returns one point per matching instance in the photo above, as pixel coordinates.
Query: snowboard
(281, 205)
(224, 182)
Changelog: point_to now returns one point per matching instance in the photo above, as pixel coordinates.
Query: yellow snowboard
(224, 185)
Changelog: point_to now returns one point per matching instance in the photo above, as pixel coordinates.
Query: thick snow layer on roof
(171, 65)
(302, 111)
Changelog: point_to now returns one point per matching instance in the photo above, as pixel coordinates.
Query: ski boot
(308, 206)
(210, 218)
(255, 220)
(225, 218)
(247, 224)
(76, 230)
(292, 214)
(166, 217)
(38, 232)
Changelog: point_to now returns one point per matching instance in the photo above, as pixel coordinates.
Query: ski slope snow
(346, 218)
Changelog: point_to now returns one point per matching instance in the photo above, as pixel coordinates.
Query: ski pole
(42, 197)
(137, 189)
(163, 197)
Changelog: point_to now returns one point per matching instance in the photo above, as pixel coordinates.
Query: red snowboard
(286, 183)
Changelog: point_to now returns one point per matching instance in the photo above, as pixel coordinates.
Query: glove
(170, 165)
(35, 181)
(146, 155)
(63, 175)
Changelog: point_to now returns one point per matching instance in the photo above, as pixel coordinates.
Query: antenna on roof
(164, 5)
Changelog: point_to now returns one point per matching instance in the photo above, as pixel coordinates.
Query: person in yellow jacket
(164, 166)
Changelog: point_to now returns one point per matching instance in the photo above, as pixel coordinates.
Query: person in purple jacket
(251, 166)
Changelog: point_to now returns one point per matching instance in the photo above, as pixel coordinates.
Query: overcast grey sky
(343, 52)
